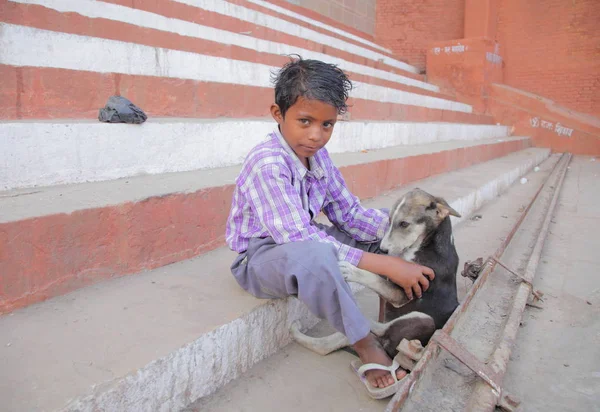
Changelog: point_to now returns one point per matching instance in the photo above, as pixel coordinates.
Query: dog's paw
(346, 269)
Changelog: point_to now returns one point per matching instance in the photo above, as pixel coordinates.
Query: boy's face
(307, 126)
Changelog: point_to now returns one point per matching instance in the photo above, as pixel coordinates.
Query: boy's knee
(320, 259)
(306, 258)
(314, 251)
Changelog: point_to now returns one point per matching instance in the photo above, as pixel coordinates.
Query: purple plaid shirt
(275, 195)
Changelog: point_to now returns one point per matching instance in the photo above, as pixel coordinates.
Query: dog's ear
(444, 209)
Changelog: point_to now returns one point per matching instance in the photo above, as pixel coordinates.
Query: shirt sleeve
(277, 203)
(345, 211)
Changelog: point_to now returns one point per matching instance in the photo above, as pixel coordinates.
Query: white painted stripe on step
(27, 46)
(317, 23)
(50, 153)
(275, 23)
(98, 9)
(388, 95)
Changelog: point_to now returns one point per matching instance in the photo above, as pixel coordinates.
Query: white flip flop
(377, 393)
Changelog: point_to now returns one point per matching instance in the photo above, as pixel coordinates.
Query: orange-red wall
(552, 48)
(409, 27)
(549, 47)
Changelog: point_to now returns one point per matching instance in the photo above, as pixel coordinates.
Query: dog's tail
(322, 346)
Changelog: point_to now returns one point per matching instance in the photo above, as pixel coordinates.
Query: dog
(420, 231)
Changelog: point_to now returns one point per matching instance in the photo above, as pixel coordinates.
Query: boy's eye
(328, 125)
(304, 121)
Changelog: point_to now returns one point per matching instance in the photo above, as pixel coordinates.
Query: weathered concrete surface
(54, 253)
(296, 379)
(163, 338)
(555, 365)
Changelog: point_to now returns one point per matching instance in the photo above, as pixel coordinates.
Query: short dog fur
(420, 231)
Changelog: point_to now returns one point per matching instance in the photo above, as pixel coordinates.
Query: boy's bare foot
(370, 351)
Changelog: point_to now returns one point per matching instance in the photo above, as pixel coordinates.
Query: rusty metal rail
(500, 357)
(482, 398)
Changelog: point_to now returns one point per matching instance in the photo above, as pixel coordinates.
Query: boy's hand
(413, 278)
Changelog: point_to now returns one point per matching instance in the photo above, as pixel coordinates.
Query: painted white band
(275, 23)
(27, 46)
(140, 18)
(316, 23)
(50, 153)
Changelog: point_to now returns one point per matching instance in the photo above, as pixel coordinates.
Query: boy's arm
(366, 225)
(345, 211)
(278, 206)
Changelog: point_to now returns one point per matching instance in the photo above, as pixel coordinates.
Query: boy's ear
(276, 113)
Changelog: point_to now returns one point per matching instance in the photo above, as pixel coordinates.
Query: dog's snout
(383, 248)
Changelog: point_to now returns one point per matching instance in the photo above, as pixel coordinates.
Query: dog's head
(413, 217)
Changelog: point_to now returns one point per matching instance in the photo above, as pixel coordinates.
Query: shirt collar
(316, 169)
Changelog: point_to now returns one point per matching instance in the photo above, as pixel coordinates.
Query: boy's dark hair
(311, 79)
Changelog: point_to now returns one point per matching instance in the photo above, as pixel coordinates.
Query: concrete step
(69, 152)
(302, 14)
(296, 379)
(166, 337)
(198, 22)
(170, 59)
(59, 238)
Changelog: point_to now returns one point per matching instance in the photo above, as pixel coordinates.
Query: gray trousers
(308, 270)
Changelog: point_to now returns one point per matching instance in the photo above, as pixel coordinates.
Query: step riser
(202, 367)
(184, 20)
(224, 354)
(126, 24)
(68, 153)
(304, 16)
(51, 93)
(26, 46)
(263, 17)
(373, 179)
(90, 245)
(360, 109)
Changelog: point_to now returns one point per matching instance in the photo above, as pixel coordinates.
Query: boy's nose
(315, 135)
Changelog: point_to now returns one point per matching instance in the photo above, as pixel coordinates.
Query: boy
(283, 185)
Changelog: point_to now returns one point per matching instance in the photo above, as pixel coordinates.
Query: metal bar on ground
(450, 345)
(482, 398)
(519, 276)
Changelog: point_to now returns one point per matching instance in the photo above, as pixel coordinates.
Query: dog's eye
(404, 224)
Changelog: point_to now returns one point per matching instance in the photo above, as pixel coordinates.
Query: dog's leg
(379, 328)
(387, 290)
(322, 346)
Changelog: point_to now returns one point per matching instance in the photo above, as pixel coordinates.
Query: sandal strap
(376, 366)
